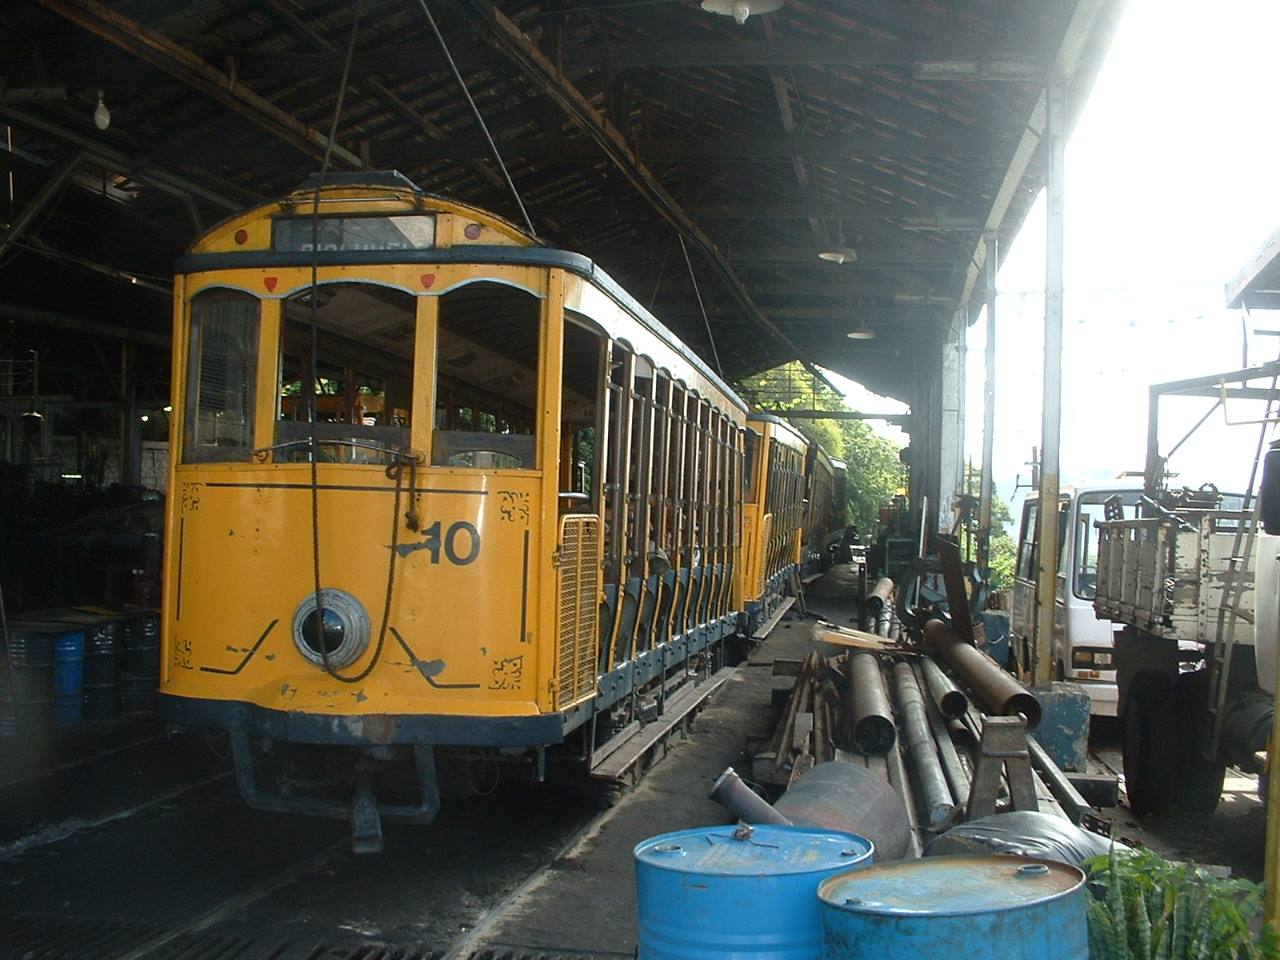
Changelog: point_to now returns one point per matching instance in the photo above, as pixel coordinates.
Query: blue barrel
(101, 658)
(748, 894)
(68, 678)
(938, 908)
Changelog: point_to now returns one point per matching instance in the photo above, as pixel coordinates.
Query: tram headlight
(343, 634)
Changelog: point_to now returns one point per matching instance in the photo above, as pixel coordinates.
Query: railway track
(189, 873)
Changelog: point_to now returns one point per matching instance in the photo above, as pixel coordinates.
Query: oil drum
(749, 893)
(981, 908)
(139, 663)
(26, 681)
(68, 678)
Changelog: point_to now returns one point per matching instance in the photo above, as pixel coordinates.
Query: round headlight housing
(342, 632)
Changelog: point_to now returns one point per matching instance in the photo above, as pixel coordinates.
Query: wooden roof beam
(177, 61)
(522, 52)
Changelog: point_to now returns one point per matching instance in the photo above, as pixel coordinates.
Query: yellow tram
(773, 515)
(444, 502)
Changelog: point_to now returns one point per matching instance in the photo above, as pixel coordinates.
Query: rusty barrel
(981, 908)
(732, 893)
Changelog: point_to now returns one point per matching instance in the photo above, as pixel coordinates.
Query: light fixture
(839, 253)
(101, 115)
(740, 9)
(862, 333)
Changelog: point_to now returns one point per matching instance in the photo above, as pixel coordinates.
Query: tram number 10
(460, 543)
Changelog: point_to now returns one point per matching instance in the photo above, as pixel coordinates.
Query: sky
(1172, 183)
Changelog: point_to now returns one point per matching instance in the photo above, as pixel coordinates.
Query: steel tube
(878, 607)
(954, 770)
(999, 693)
(874, 733)
(1063, 790)
(849, 797)
(923, 751)
(950, 699)
(732, 792)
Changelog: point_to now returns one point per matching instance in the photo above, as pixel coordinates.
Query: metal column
(1051, 427)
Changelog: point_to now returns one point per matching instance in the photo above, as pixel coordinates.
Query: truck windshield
(1092, 508)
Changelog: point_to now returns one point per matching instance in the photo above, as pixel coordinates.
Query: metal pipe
(950, 699)
(849, 797)
(732, 792)
(957, 776)
(923, 751)
(1063, 790)
(1000, 693)
(829, 796)
(874, 733)
(898, 780)
(879, 606)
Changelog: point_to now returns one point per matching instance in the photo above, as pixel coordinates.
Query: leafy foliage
(1147, 908)
(876, 472)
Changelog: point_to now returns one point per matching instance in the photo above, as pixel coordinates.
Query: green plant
(1147, 908)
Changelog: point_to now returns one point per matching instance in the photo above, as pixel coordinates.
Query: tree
(875, 470)
(1002, 551)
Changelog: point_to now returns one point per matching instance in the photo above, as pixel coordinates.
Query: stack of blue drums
(42, 678)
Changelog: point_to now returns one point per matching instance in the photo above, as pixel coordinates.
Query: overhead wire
(484, 128)
(313, 401)
(715, 354)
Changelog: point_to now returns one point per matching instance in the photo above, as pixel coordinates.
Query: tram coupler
(366, 822)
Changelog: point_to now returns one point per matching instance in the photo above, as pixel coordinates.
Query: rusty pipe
(878, 607)
(1000, 694)
(939, 800)
(950, 699)
(874, 733)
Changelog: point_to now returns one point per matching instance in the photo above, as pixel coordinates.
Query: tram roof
(703, 163)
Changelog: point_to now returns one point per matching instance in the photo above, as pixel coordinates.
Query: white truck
(1194, 592)
(1082, 646)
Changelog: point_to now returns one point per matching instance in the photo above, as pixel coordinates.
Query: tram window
(356, 396)
(749, 491)
(222, 367)
(581, 389)
(487, 378)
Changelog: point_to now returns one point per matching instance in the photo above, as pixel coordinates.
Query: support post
(1051, 427)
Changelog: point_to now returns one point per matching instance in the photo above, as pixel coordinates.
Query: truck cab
(1083, 644)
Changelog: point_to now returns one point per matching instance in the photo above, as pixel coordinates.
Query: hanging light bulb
(101, 115)
(862, 333)
(740, 9)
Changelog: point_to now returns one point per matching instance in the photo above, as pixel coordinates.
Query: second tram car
(445, 504)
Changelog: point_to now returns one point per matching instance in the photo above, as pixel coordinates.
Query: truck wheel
(1199, 780)
(1150, 767)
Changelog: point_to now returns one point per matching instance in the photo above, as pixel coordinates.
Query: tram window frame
(348, 362)
(584, 352)
(211, 314)
(481, 421)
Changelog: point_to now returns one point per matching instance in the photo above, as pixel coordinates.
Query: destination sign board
(410, 231)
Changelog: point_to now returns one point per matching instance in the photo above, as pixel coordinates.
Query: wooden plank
(767, 627)
(847, 637)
